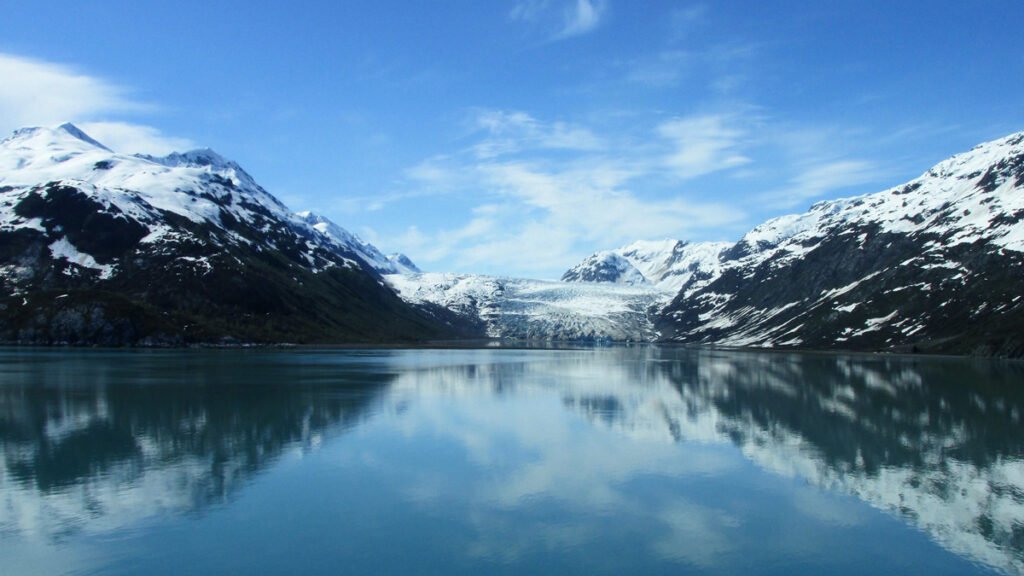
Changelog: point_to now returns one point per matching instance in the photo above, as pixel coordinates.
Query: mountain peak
(403, 263)
(312, 218)
(55, 136)
(605, 266)
(76, 132)
(199, 157)
(670, 265)
(394, 264)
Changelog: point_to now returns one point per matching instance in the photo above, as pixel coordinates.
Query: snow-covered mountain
(668, 265)
(102, 247)
(614, 295)
(99, 246)
(392, 264)
(520, 309)
(605, 266)
(402, 264)
(935, 264)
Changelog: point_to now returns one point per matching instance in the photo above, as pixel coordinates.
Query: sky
(516, 137)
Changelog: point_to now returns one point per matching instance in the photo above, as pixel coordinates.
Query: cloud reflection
(523, 454)
(910, 437)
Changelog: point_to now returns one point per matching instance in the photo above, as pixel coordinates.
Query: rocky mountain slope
(667, 265)
(98, 247)
(104, 248)
(390, 264)
(936, 265)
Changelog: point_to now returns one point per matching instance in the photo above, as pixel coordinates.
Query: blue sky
(516, 137)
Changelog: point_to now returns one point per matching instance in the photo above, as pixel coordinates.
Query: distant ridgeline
(98, 247)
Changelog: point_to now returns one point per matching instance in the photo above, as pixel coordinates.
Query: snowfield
(540, 310)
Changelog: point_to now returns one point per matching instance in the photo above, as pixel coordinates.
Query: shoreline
(499, 344)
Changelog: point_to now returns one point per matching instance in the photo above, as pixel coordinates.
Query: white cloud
(534, 202)
(38, 93)
(582, 18)
(594, 201)
(820, 161)
(537, 218)
(568, 18)
(41, 93)
(536, 214)
(703, 144)
(820, 179)
(529, 10)
(510, 132)
(135, 138)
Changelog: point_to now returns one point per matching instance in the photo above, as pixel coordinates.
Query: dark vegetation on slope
(198, 289)
(974, 307)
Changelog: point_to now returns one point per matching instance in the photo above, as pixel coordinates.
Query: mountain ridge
(935, 264)
(102, 247)
(98, 247)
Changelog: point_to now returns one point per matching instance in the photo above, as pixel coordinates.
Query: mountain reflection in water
(93, 442)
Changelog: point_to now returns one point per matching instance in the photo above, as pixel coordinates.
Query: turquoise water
(637, 460)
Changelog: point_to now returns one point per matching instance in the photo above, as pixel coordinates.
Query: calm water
(618, 460)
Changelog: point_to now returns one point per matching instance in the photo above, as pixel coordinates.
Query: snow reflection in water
(672, 454)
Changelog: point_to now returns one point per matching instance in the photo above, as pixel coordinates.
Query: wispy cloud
(536, 214)
(718, 66)
(595, 201)
(817, 180)
(566, 19)
(582, 18)
(39, 93)
(135, 138)
(536, 201)
(703, 144)
(529, 10)
(507, 132)
(821, 161)
(660, 70)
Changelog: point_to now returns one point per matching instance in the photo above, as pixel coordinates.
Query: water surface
(638, 460)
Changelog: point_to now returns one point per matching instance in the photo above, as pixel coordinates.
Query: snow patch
(64, 249)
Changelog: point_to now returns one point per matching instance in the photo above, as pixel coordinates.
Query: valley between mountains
(103, 248)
